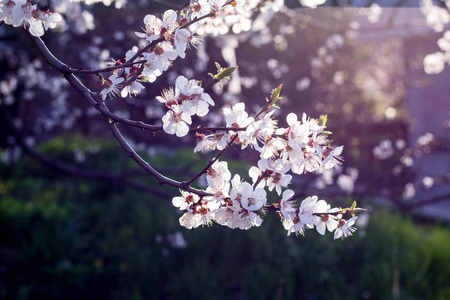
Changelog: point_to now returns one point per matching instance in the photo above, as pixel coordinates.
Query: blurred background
(82, 221)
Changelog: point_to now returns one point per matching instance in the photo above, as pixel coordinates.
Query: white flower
(185, 88)
(271, 147)
(237, 116)
(219, 193)
(39, 20)
(243, 195)
(240, 6)
(111, 87)
(204, 143)
(286, 205)
(189, 94)
(212, 141)
(325, 220)
(199, 213)
(176, 121)
(170, 19)
(218, 174)
(168, 97)
(132, 89)
(217, 4)
(294, 226)
(199, 104)
(200, 8)
(307, 162)
(185, 200)
(225, 215)
(333, 159)
(152, 29)
(274, 171)
(153, 67)
(298, 136)
(307, 210)
(434, 63)
(312, 3)
(194, 219)
(254, 201)
(345, 228)
(258, 131)
(11, 12)
(245, 220)
(181, 39)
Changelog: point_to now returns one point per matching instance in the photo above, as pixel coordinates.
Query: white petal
(321, 228)
(337, 234)
(291, 119)
(182, 129)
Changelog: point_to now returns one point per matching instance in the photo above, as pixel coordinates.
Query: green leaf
(323, 120)
(275, 96)
(226, 73)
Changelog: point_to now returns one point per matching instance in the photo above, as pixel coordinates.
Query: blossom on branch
(301, 147)
(345, 228)
(176, 121)
(111, 86)
(18, 12)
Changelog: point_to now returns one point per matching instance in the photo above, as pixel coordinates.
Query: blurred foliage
(68, 238)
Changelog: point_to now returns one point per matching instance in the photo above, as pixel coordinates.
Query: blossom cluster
(434, 63)
(164, 39)
(437, 18)
(22, 12)
(186, 100)
(173, 41)
(301, 147)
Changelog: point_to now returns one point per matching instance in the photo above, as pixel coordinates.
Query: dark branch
(72, 170)
(109, 69)
(96, 102)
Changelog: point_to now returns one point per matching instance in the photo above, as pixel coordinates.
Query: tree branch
(95, 101)
(72, 170)
(109, 69)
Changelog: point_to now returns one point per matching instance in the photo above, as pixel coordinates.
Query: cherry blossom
(199, 104)
(273, 172)
(168, 97)
(294, 225)
(332, 158)
(11, 12)
(325, 220)
(272, 146)
(152, 30)
(218, 174)
(258, 131)
(345, 228)
(307, 210)
(17, 12)
(111, 86)
(176, 121)
(237, 117)
(211, 142)
(132, 89)
(186, 200)
(181, 39)
(287, 208)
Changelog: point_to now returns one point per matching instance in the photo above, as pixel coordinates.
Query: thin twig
(104, 70)
(211, 162)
